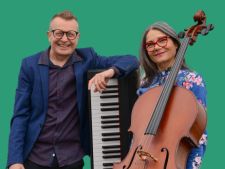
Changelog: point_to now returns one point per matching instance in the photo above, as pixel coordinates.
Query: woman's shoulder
(188, 73)
(189, 78)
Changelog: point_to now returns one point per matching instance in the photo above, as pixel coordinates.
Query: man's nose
(64, 37)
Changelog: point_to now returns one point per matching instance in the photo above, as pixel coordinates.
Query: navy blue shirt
(60, 134)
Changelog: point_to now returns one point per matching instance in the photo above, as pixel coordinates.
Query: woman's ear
(177, 46)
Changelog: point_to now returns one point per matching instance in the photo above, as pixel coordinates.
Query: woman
(159, 46)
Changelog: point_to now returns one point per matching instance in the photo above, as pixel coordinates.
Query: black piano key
(111, 156)
(109, 96)
(110, 126)
(110, 146)
(109, 104)
(126, 100)
(110, 109)
(111, 151)
(112, 86)
(111, 139)
(107, 164)
(109, 121)
(110, 117)
(110, 134)
(110, 91)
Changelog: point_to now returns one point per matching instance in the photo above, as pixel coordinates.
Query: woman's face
(160, 48)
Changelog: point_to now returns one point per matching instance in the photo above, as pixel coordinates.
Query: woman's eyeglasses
(162, 42)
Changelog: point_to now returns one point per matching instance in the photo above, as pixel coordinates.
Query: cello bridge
(145, 155)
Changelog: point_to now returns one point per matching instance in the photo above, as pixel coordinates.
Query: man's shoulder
(34, 57)
(84, 52)
(32, 61)
(84, 49)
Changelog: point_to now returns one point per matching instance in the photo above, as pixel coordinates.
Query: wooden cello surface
(170, 147)
(167, 121)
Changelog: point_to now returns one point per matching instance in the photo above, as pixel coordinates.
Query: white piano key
(97, 129)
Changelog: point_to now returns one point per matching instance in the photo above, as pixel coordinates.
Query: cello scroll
(199, 28)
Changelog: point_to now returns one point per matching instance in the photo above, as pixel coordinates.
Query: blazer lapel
(78, 72)
(44, 71)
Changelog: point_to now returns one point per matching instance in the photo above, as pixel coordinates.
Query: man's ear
(49, 36)
(78, 36)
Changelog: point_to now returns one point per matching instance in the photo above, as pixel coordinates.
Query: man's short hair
(67, 15)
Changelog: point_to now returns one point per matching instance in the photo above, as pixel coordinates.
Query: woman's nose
(157, 47)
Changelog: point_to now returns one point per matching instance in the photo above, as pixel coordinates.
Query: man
(50, 127)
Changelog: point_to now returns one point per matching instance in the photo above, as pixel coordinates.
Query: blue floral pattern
(193, 82)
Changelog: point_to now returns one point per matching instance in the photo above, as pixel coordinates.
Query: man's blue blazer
(31, 100)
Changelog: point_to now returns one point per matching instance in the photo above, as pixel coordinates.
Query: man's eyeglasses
(162, 42)
(58, 34)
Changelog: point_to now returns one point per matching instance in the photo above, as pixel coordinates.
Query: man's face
(64, 46)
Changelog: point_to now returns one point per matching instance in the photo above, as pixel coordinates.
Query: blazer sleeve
(20, 117)
(125, 64)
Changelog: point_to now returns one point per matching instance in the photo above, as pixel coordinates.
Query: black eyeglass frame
(64, 32)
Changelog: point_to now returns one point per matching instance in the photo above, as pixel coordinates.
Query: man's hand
(17, 166)
(100, 80)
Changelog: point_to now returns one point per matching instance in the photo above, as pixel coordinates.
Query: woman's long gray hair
(147, 64)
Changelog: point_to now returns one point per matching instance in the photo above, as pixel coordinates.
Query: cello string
(164, 95)
(147, 138)
(156, 118)
(201, 21)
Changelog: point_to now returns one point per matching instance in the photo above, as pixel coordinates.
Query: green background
(113, 27)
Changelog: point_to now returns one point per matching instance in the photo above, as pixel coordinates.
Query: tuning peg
(207, 29)
(210, 27)
(204, 31)
(181, 35)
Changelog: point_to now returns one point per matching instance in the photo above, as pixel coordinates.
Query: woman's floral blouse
(193, 82)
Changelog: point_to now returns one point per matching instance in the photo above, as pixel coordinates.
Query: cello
(167, 121)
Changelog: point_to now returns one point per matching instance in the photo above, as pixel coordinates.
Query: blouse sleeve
(194, 82)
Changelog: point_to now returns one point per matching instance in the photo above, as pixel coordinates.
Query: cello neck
(190, 37)
(153, 124)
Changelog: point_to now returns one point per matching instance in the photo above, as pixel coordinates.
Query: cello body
(167, 121)
(180, 130)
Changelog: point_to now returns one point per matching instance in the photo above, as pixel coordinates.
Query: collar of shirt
(44, 59)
